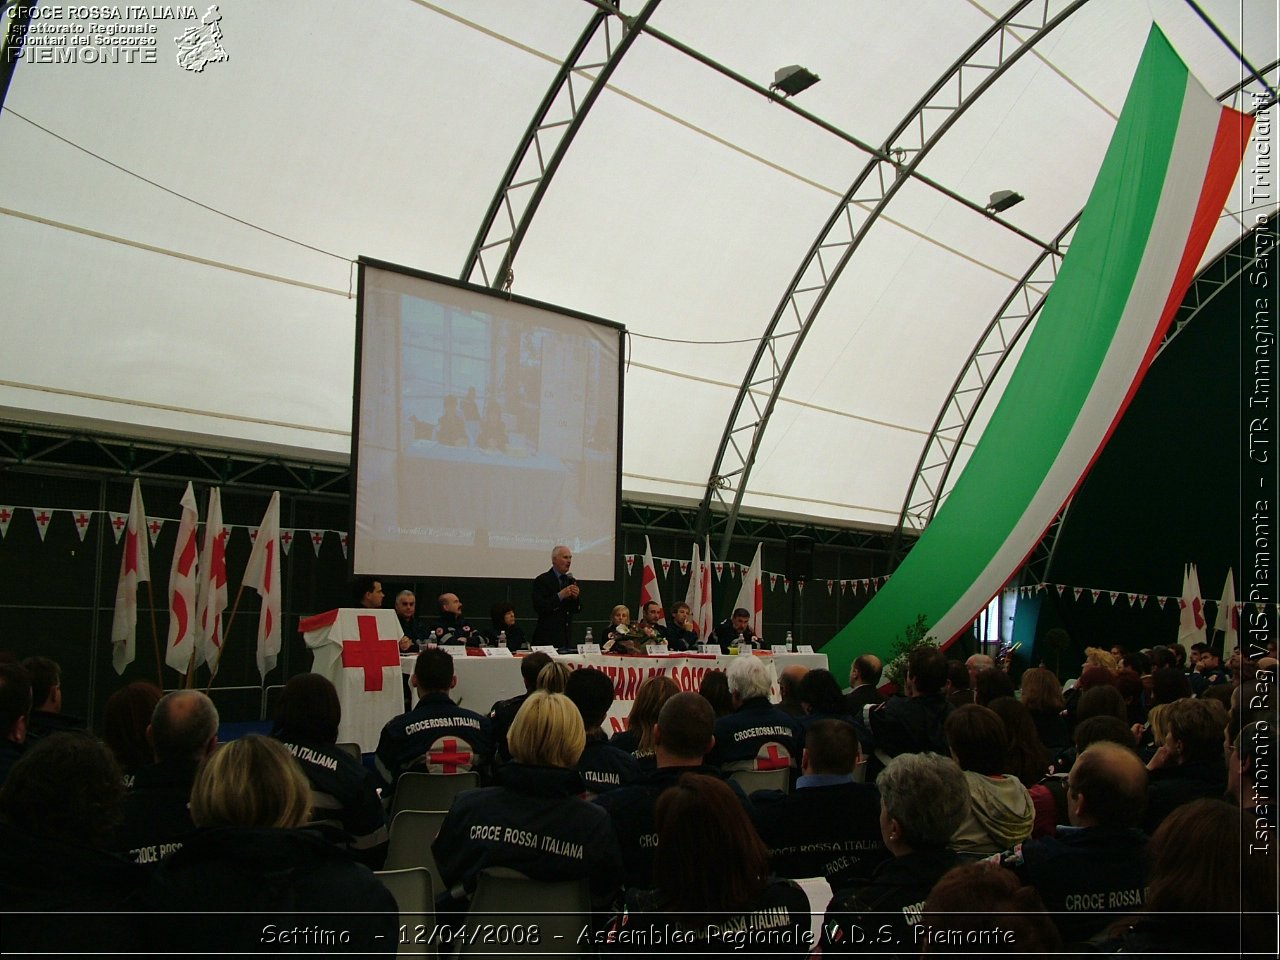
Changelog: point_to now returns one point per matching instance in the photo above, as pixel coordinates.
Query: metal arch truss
(545, 143)
(859, 209)
(929, 483)
(970, 388)
(1211, 281)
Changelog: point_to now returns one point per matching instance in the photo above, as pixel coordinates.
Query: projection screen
(487, 429)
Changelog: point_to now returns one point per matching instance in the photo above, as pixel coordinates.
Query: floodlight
(791, 80)
(1002, 200)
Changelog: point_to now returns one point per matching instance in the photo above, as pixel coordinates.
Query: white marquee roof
(682, 209)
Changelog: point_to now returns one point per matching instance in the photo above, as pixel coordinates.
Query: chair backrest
(412, 832)
(753, 780)
(430, 791)
(415, 899)
(351, 748)
(510, 904)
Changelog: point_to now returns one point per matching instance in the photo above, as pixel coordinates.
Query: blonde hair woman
(249, 865)
(534, 821)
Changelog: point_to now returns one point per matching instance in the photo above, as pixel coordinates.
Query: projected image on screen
(486, 433)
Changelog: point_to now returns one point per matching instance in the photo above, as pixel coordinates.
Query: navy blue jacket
(436, 735)
(757, 736)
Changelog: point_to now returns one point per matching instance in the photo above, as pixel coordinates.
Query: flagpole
(155, 634)
(226, 638)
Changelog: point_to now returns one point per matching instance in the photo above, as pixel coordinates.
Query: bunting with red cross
(359, 652)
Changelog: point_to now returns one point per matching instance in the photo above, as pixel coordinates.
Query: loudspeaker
(799, 558)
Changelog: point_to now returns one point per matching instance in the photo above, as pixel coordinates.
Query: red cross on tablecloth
(370, 652)
(449, 755)
(771, 757)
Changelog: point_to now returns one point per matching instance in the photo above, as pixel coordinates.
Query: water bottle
(502, 638)
(589, 638)
(791, 644)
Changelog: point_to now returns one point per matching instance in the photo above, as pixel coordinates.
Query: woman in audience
(1042, 695)
(991, 682)
(1210, 890)
(534, 821)
(1190, 763)
(711, 879)
(1001, 811)
(503, 616)
(58, 807)
(637, 739)
(1027, 760)
(923, 802)
(553, 677)
(125, 719)
(976, 899)
(344, 794)
(715, 688)
(250, 867)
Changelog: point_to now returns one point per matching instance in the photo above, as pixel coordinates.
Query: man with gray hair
(757, 735)
(556, 598)
(183, 732)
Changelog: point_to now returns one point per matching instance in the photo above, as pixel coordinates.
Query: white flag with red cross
(211, 588)
(263, 574)
(182, 588)
(1228, 619)
(693, 596)
(359, 652)
(6, 514)
(751, 596)
(135, 566)
(1191, 622)
(649, 592)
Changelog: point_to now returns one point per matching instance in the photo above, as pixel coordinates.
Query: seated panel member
(727, 632)
(436, 735)
(619, 636)
(830, 826)
(757, 735)
(503, 618)
(452, 629)
(682, 632)
(413, 632)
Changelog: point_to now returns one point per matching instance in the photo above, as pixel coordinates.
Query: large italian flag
(1162, 186)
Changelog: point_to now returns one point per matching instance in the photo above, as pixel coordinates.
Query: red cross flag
(43, 515)
(135, 566)
(1228, 619)
(649, 584)
(182, 589)
(263, 575)
(359, 652)
(751, 596)
(118, 522)
(81, 519)
(211, 589)
(1191, 622)
(6, 514)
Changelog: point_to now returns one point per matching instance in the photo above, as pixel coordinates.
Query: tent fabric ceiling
(683, 208)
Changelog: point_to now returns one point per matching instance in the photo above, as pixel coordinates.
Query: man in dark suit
(864, 677)
(556, 598)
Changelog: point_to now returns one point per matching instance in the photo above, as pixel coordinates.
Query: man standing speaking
(556, 599)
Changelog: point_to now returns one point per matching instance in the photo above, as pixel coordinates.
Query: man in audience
(1251, 766)
(436, 735)
(975, 665)
(367, 593)
(602, 767)
(789, 689)
(1096, 866)
(413, 633)
(1208, 672)
(452, 627)
(757, 735)
(182, 733)
(504, 711)
(556, 598)
(914, 723)
(830, 826)
(46, 700)
(1189, 765)
(15, 713)
(727, 632)
(864, 680)
(682, 632)
(682, 737)
(958, 689)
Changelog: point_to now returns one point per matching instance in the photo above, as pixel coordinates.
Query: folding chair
(509, 905)
(410, 843)
(415, 898)
(430, 791)
(753, 780)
